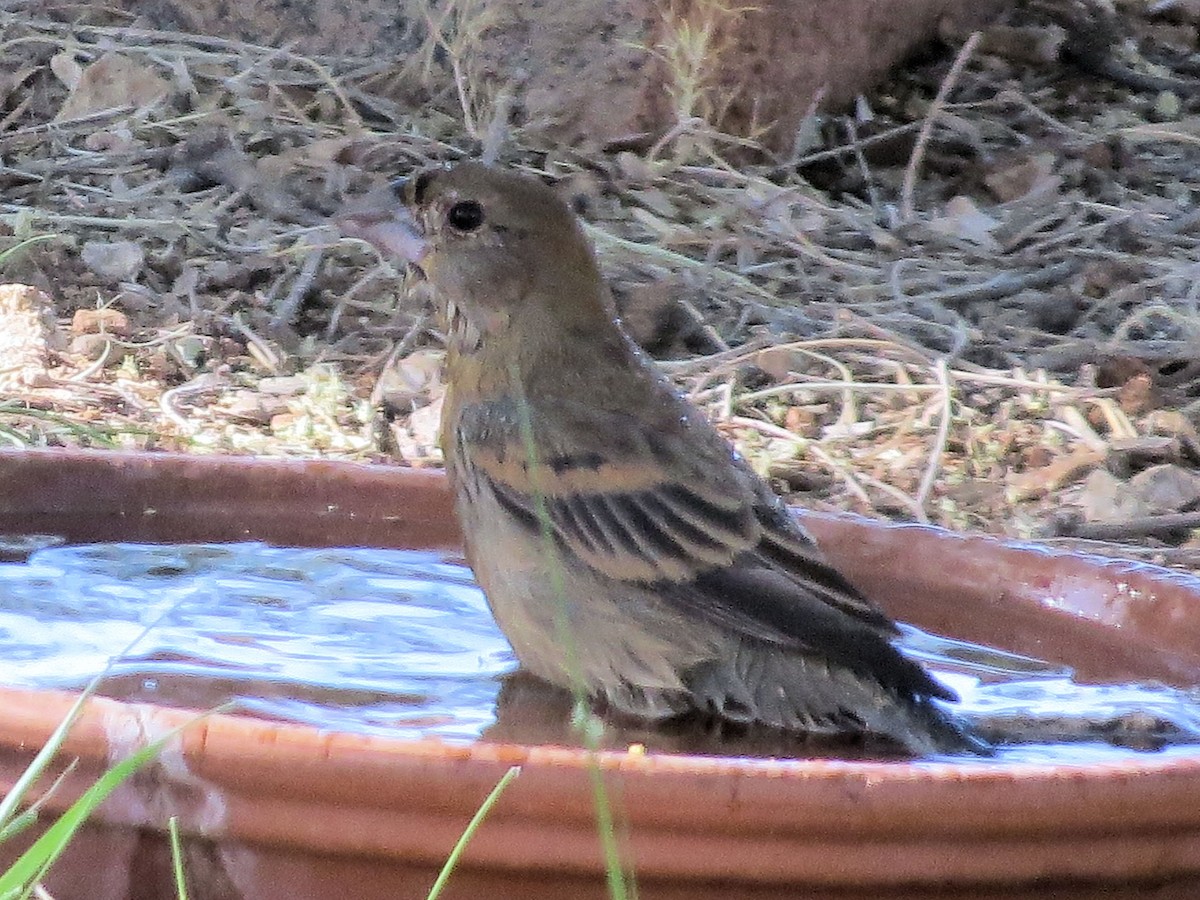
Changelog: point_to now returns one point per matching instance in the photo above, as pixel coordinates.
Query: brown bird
(624, 547)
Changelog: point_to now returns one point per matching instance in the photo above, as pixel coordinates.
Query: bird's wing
(613, 491)
(785, 587)
(684, 515)
(667, 530)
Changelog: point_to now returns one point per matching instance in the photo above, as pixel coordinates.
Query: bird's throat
(464, 336)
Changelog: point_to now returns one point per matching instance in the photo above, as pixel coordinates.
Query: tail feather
(765, 686)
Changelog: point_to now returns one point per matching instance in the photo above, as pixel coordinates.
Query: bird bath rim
(753, 821)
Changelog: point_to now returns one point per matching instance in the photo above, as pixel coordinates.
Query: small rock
(1158, 490)
(283, 385)
(409, 382)
(1054, 312)
(282, 422)
(1098, 155)
(119, 139)
(254, 407)
(1166, 488)
(1036, 457)
(1128, 455)
(965, 221)
(1173, 423)
(1167, 106)
(106, 321)
(800, 420)
(114, 260)
(1018, 177)
(1104, 499)
(111, 141)
(1138, 395)
(634, 168)
(91, 346)
(221, 274)
(192, 349)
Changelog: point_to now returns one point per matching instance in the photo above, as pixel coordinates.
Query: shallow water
(385, 642)
(400, 643)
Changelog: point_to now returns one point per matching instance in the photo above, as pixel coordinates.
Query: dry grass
(961, 347)
(694, 39)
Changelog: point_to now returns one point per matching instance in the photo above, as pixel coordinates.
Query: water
(383, 642)
(400, 643)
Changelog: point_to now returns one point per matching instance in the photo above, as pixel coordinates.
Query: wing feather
(636, 537)
(704, 529)
(786, 546)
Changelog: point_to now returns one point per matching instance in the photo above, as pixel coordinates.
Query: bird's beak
(391, 229)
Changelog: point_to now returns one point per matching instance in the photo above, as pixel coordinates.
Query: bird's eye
(466, 215)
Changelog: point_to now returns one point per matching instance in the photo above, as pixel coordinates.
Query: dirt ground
(971, 300)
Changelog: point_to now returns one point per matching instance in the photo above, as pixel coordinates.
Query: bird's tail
(764, 686)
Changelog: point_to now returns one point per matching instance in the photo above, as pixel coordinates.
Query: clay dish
(275, 810)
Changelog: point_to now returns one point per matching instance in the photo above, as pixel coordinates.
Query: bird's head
(499, 248)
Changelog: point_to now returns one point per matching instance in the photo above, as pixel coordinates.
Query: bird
(626, 550)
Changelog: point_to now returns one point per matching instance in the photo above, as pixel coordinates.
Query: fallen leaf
(111, 82)
(966, 221)
(1026, 177)
(1137, 395)
(66, 68)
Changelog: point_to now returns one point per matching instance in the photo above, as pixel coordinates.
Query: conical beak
(391, 229)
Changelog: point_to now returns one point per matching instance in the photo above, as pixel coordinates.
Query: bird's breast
(535, 587)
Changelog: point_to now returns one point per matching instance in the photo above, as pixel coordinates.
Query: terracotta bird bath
(274, 810)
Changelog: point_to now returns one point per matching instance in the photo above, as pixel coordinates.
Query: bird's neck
(536, 341)
(544, 360)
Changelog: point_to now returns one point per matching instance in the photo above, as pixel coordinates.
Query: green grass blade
(12, 252)
(181, 891)
(17, 825)
(622, 883)
(32, 865)
(469, 832)
(20, 879)
(104, 437)
(13, 436)
(16, 794)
